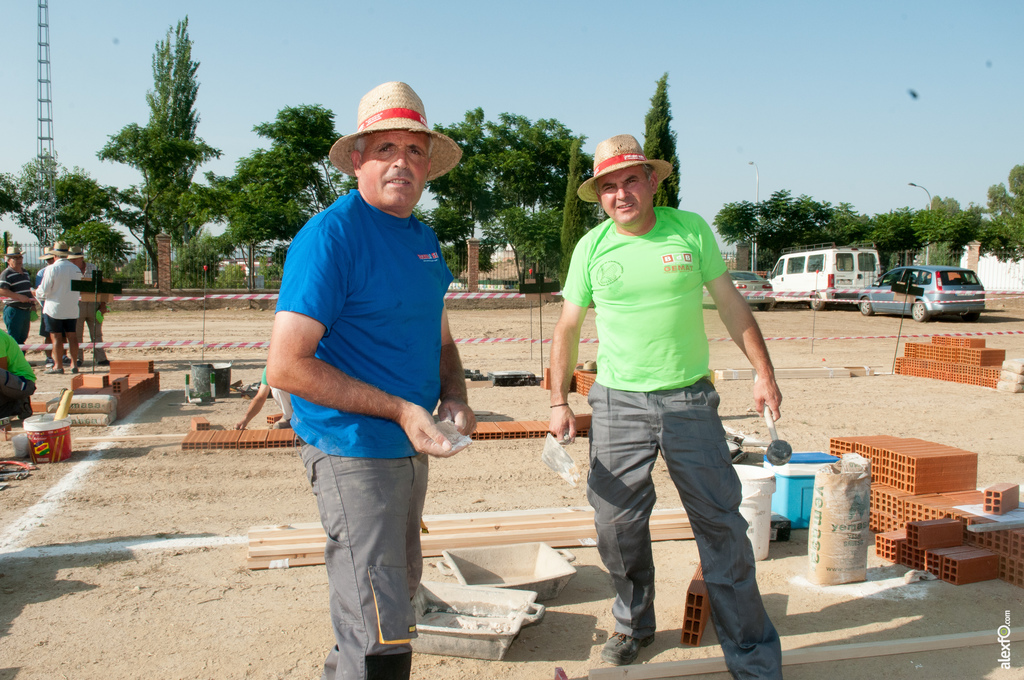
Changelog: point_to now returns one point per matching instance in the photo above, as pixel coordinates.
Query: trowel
(557, 459)
(779, 451)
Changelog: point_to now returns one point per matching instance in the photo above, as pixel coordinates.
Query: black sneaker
(49, 362)
(66, 360)
(622, 649)
(104, 362)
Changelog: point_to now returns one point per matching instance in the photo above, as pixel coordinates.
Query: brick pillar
(163, 263)
(742, 257)
(473, 264)
(973, 255)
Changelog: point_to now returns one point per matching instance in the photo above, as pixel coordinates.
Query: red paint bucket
(49, 439)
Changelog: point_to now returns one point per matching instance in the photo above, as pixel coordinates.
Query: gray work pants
(628, 430)
(87, 317)
(370, 509)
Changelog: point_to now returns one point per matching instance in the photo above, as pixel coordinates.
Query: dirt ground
(90, 587)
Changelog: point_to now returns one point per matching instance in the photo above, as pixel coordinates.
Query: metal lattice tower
(47, 165)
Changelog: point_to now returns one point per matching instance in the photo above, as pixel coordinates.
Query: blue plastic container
(794, 486)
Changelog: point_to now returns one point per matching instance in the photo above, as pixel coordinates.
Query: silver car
(934, 291)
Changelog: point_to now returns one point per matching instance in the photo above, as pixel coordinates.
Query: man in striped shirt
(16, 289)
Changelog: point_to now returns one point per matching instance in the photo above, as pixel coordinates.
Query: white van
(823, 269)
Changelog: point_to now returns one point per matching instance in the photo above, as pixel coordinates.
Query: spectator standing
(61, 307)
(87, 311)
(16, 289)
(17, 381)
(48, 257)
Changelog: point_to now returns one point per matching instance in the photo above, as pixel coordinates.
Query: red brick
(698, 610)
(889, 545)
(199, 423)
(970, 567)
(1001, 498)
(936, 533)
(933, 558)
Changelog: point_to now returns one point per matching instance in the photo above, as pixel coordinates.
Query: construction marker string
(142, 344)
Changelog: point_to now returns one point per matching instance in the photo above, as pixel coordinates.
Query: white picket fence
(996, 275)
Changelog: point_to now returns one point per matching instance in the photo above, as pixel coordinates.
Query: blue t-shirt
(377, 283)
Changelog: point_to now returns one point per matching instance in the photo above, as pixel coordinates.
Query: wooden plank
(795, 657)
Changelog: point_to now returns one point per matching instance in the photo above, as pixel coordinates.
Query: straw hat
(60, 249)
(47, 254)
(14, 251)
(76, 253)
(616, 153)
(394, 106)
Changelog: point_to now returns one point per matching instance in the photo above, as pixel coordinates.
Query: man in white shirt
(60, 311)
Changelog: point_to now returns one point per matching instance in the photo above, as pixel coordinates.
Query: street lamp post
(927, 246)
(757, 200)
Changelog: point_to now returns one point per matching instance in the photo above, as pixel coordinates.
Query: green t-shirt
(16, 362)
(648, 292)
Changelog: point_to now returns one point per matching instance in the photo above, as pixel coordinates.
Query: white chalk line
(15, 534)
(127, 545)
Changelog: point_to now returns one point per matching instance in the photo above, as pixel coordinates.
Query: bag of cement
(87, 403)
(91, 419)
(837, 537)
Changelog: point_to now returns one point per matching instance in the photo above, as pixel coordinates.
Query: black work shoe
(622, 649)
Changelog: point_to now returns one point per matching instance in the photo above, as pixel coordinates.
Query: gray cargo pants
(370, 509)
(628, 430)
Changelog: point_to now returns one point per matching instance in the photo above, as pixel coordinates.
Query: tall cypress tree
(574, 214)
(660, 143)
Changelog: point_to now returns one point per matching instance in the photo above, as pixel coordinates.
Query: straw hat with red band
(394, 106)
(616, 153)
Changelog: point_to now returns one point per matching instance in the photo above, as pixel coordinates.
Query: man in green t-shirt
(17, 381)
(644, 269)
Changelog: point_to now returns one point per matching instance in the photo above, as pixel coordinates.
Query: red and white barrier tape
(481, 341)
(274, 296)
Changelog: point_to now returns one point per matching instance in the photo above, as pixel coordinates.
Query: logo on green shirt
(608, 273)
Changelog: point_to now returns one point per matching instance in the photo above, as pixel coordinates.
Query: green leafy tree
(660, 143)
(8, 194)
(166, 152)
(104, 246)
(29, 212)
(80, 199)
(1003, 234)
(577, 215)
(275, 191)
(779, 222)
(894, 234)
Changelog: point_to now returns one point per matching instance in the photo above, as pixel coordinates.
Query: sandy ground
(76, 602)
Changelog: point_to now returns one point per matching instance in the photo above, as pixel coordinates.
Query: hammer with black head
(779, 451)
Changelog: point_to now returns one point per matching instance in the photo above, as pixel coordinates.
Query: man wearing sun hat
(60, 309)
(644, 269)
(361, 342)
(16, 289)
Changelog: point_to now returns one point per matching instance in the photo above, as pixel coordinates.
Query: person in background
(61, 306)
(48, 257)
(16, 289)
(283, 399)
(17, 381)
(87, 311)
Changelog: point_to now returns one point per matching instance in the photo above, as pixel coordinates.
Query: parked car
(945, 291)
(749, 282)
(823, 267)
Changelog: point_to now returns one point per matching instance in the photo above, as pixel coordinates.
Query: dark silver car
(942, 291)
(756, 289)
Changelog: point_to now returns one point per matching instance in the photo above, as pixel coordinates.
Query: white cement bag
(838, 537)
(87, 403)
(91, 419)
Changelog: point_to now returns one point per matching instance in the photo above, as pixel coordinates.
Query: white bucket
(756, 507)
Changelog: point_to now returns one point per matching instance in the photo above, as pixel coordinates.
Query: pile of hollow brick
(202, 436)
(917, 491)
(132, 382)
(953, 359)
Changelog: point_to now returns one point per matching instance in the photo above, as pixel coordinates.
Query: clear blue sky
(815, 92)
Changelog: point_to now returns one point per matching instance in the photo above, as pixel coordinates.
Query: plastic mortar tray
(474, 622)
(527, 566)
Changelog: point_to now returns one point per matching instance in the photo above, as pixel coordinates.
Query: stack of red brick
(201, 437)
(953, 359)
(132, 382)
(917, 486)
(524, 429)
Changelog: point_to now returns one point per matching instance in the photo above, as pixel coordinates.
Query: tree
(660, 143)
(895, 236)
(777, 223)
(8, 194)
(275, 191)
(80, 199)
(166, 152)
(104, 246)
(29, 212)
(1003, 234)
(577, 217)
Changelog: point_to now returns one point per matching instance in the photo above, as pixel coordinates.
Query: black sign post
(96, 285)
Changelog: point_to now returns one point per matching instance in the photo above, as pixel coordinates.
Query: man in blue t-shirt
(361, 342)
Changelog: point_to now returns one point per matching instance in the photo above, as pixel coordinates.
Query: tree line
(515, 187)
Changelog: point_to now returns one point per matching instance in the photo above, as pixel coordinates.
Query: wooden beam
(803, 655)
